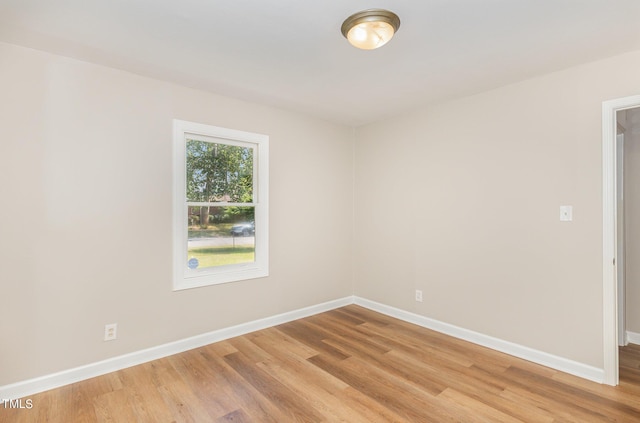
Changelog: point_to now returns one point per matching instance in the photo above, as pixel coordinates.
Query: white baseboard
(633, 338)
(558, 363)
(66, 377)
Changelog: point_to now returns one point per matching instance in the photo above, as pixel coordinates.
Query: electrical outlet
(418, 295)
(110, 332)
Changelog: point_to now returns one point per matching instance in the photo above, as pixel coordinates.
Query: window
(221, 179)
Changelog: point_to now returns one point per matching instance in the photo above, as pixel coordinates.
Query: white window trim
(184, 278)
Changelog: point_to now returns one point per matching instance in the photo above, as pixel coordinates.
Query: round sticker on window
(193, 263)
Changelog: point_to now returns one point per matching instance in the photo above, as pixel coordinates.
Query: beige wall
(85, 221)
(461, 200)
(632, 219)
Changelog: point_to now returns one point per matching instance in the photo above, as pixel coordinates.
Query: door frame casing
(620, 239)
(609, 222)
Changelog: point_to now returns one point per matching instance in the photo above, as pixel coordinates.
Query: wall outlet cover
(110, 332)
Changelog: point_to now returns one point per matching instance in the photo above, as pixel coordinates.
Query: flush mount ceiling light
(370, 28)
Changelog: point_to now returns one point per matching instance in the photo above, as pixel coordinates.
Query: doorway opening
(615, 115)
(628, 223)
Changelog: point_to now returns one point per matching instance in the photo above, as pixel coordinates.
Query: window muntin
(220, 205)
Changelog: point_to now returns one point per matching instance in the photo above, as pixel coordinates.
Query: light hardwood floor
(347, 365)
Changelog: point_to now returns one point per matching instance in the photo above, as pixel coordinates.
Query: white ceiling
(291, 54)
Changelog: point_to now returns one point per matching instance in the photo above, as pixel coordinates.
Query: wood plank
(470, 409)
(236, 416)
(241, 394)
(293, 407)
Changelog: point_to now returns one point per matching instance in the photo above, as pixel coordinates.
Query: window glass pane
(219, 172)
(218, 236)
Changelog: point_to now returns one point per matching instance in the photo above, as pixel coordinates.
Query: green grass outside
(220, 256)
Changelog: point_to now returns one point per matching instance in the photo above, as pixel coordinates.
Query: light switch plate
(566, 213)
